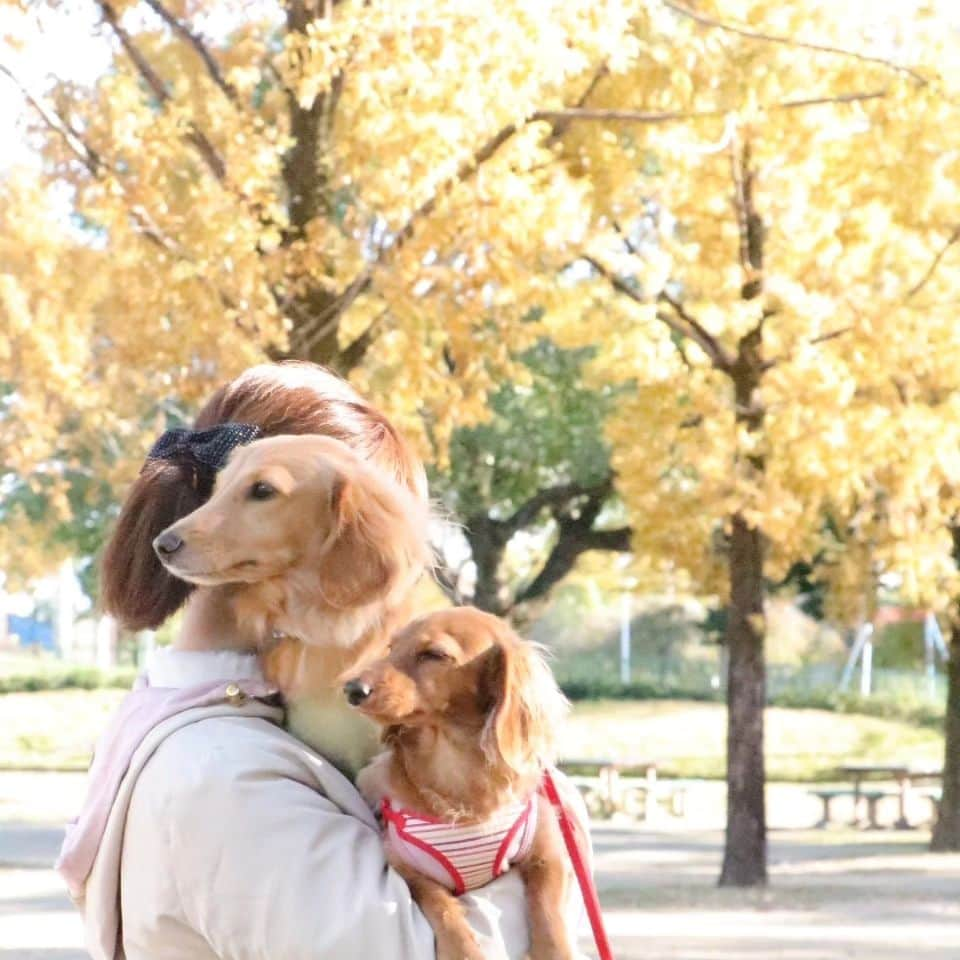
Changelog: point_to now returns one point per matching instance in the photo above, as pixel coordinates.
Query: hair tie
(208, 448)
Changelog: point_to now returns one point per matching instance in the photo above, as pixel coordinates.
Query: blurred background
(664, 291)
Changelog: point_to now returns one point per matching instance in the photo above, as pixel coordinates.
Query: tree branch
(838, 98)
(194, 40)
(823, 338)
(752, 34)
(445, 577)
(562, 124)
(97, 167)
(574, 537)
(618, 540)
(89, 157)
(932, 269)
(352, 355)
(683, 325)
(557, 498)
(716, 350)
(194, 135)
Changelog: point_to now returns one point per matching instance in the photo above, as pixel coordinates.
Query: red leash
(584, 879)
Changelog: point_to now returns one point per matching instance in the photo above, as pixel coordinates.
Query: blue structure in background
(32, 632)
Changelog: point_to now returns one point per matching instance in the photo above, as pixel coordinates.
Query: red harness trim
(587, 886)
(520, 824)
(401, 827)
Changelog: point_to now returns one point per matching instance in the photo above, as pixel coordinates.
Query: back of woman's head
(279, 398)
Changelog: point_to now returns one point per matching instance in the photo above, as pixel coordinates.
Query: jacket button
(234, 694)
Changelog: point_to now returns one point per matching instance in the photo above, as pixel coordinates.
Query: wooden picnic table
(608, 773)
(905, 775)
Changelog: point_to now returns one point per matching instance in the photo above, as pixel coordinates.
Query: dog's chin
(247, 572)
(386, 719)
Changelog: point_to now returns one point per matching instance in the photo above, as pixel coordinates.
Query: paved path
(834, 896)
(37, 921)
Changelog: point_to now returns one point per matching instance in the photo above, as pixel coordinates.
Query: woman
(216, 833)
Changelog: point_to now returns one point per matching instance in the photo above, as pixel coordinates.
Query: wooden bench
(871, 797)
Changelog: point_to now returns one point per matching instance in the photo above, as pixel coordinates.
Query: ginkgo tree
(764, 251)
(368, 186)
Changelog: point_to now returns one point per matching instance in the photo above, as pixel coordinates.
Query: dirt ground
(834, 895)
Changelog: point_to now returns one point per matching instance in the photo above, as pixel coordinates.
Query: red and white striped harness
(461, 856)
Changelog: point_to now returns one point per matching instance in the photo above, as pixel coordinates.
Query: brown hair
(279, 398)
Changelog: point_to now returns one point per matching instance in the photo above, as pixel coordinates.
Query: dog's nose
(357, 691)
(167, 544)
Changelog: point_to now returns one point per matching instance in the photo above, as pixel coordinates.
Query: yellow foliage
(467, 165)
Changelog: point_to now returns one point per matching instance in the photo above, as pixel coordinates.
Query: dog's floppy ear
(374, 540)
(524, 706)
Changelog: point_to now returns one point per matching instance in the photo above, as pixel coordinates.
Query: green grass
(687, 739)
(58, 728)
(54, 729)
(24, 673)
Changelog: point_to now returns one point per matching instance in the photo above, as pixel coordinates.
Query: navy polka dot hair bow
(208, 448)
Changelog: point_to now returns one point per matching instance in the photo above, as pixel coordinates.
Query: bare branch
(195, 41)
(932, 269)
(752, 34)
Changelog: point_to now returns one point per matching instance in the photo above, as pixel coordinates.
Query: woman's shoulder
(224, 759)
(216, 751)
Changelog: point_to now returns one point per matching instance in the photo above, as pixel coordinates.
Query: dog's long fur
(470, 713)
(321, 550)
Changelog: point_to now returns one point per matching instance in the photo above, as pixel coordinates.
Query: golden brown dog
(469, 712)
(320, 548)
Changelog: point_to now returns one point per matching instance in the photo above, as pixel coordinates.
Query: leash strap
(584, 879)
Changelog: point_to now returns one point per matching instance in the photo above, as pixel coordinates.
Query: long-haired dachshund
(314, 544)
(469, 713)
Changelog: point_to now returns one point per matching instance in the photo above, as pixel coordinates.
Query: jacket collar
(190, 668)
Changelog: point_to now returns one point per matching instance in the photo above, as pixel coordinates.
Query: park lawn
(58, 728)
(12, 664)
(53, 729)
(687, 738)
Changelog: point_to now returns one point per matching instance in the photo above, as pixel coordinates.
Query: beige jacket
(231, 840)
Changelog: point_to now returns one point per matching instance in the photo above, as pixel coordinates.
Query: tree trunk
(315, 310)
(745, 851)
(745, 854)
(946, 833)
(487, 546)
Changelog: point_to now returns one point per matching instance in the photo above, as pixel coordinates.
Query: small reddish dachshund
(469, 712)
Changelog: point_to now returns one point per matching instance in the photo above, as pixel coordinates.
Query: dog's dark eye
(436, 656)
(261, 491)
